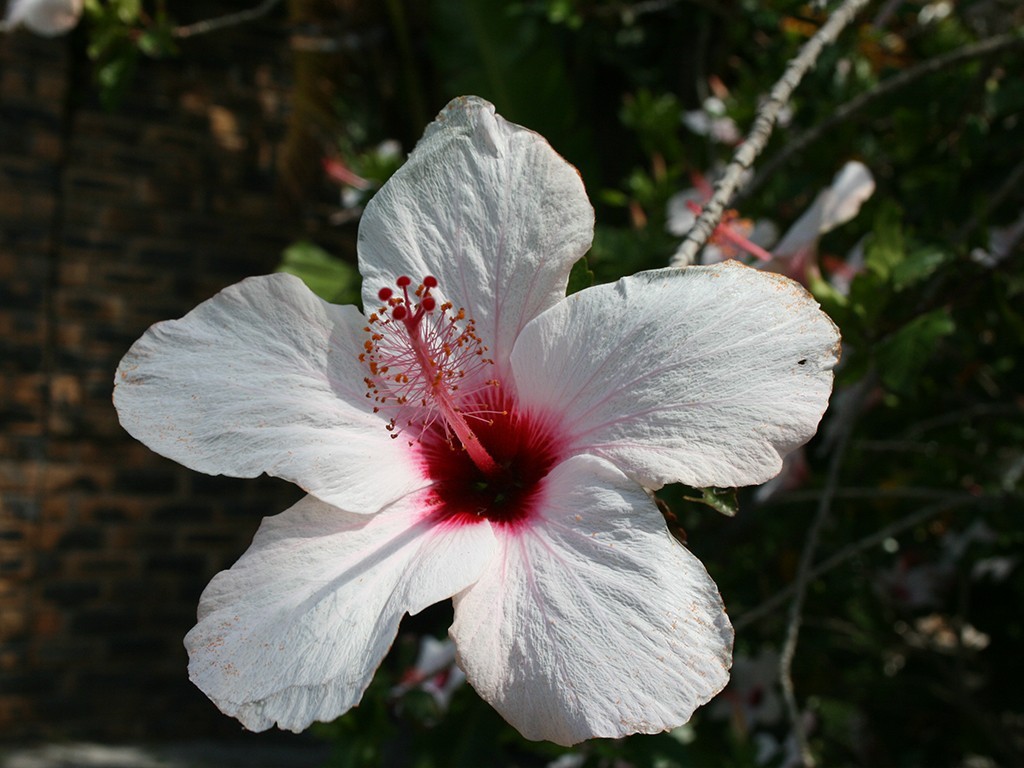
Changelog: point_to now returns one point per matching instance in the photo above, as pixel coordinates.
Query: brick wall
(110, 221)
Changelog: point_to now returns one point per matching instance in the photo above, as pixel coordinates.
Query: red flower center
(524, 448)
(430, 373)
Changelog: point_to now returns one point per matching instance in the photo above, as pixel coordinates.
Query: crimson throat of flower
(430, 374)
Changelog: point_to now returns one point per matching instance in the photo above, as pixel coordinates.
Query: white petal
(680, 219)
(705, 375)
(293, 632)
(489, 209)
(712, 254)
(834, 206)
(698, 121)
(434, 655)
(265, 377)
(765, 233)
(48, 18)
(1002, 240)
(595, 621)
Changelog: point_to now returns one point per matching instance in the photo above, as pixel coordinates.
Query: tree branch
(769, 606)
(870, 493)
(803, 578)
(228, 20)
(761, 131)
(907, 77)
(1010, 185)
(963, 416)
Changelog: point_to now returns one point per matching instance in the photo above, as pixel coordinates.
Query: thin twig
(1010, 185)
(885, 13)
(869, 492)
(761, 131)
(635, 10)
(963, 416)
(799, 143)
(899, 446)
(228, 20)
(769, 606)
(803, 578)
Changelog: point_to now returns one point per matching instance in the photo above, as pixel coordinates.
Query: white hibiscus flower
(483, 437)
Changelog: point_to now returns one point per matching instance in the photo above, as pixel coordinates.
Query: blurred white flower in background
(795, 255)
(734, 236)
(435, 672)
(1001, 243)
(48, 18)
(751, 698)
(712, 121)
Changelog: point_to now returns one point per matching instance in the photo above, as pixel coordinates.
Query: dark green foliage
(910, 652)
(910, 641)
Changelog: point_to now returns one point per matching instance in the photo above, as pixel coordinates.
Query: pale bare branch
(228, 20)
(801, 141)
(776, 601)
(761, 131)
(803, 578)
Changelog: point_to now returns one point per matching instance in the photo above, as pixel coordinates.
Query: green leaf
(105, 38)
(580, 277)
(826, 294)
(128, 11)
(114, 77)
(564, 12)
(719, 499)
(655, 118)
(903, 356)
(867, 300)
(157, 41)
(327, 276)
(886, 248)
(918, 266)
(614, 197)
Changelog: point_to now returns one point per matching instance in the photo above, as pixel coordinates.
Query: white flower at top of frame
(479, 435)
(933, 12)
(48, 18)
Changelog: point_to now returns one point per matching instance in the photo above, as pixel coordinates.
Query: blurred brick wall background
(110, 221)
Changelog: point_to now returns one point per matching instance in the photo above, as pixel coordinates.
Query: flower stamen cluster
(427, 363)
